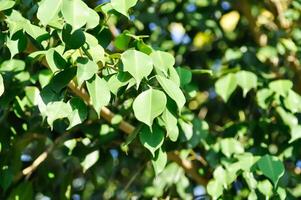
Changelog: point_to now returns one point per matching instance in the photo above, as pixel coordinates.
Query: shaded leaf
(152, 140)
(271, 167)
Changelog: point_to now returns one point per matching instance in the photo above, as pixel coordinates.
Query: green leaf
(162, 61)
(271, 167)
(32, 94)
(246, 80)
(92, 19)
(117, 81)
(86, 69)
(12, 65)
(187, 128)
(293, 102)
(1, 85)
(55, 60)
(17, 45)
(266, 188)
(79, 112)
(159, 161)
(200, 131)
(75, 13)
(152, 140)
(138, 64)
(99, 92)
(149, 105)
(122, 41)
(90, 160)
(48, 10)
(214, 189)
(73, 40)
(225, 86)
(172, 90)
(6, 4)
(171, 125)
(185, 75)
(174, 76)
(281, 87)
(122, 6)
(262, 97)
(57, 110)
(295, 133)
(231, 146)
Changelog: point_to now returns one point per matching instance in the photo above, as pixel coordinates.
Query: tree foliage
(127, 99)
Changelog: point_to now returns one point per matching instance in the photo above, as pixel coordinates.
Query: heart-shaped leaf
(271, 167)
(99, 93)
(149, 105)
(138, 64)
(123, 6)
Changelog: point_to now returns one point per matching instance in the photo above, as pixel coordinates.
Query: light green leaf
(174, 76)
(6, 4)
(48, 10)
(92, 19)
(97, 53)
(138, 64)
(281, 87)
(57, 110)
(215, 189)
(225, 86)
(77, 14)
(122, 6)
(251, 181)
(172, 90)
(295, 133)
(171, 125)
(79, 112)
(149, 105)
(117, 81)
(86, 69)
(187, 128)
(32, 95)
(262, 96)
(246, 80)
(271, 167)
(12, 65)
(90, 160)
(152, 140)
(266, 188)
(1, 85)
(99, 92)
(293, 102)
(55, 60)
(246, 161)
(231, 146)
(287, 117)
(159, 161)
(162, 61)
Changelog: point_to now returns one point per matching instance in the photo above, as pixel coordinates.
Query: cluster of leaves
(213, 102)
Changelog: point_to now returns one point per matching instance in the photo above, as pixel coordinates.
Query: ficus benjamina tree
(150, 99)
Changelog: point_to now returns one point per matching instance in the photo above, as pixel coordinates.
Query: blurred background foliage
(233, 123)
